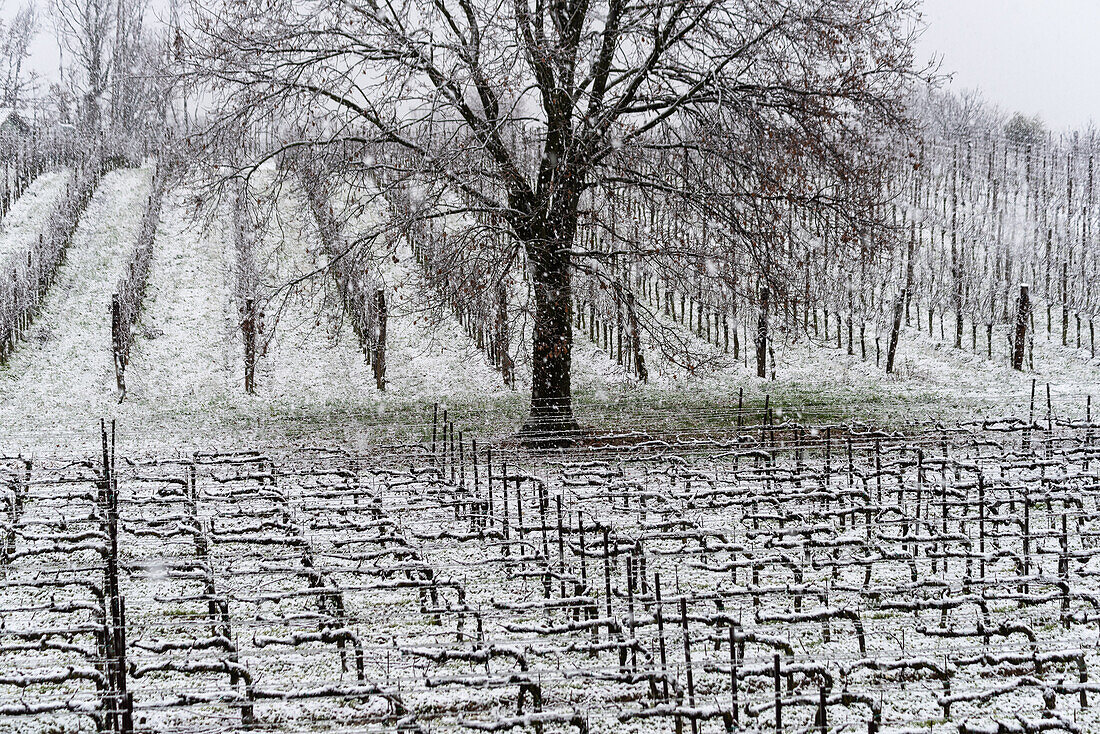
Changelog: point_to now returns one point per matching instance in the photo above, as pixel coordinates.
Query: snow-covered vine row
(33, 270)
(357, 283)
(126, 301)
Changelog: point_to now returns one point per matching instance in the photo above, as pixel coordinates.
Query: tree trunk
(910, 253)
(117, 346)
(547, 231)
(551, 422)
(636, 340)
(379, 357)
(956, 255)
(507, 367)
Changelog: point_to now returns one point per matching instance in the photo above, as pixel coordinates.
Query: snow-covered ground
(936, 579)
(63, 375)
(933, 381)
(185, 376)
(185, 379)
(28, 214)
(182, 364)
(387, 531)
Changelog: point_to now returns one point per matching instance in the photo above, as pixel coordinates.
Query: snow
(381, 523)
(65, 375)
(28, 214)
(185, 376)
(277, 535)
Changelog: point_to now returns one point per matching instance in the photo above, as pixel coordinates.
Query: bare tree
(1023, 130)
(128, 63)
(14, 50)
(84, 29)
(960, 116)
(117, 70)
(142, 89)
(531, 113)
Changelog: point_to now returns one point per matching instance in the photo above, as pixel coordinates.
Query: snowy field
(569, 368)
(64, 372)
(30, 211)
(323, 556)
(186, 373)
(943, 581)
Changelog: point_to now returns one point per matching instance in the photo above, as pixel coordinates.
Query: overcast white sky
(1035, 56)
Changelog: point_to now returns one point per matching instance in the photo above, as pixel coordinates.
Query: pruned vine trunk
(762, 334)
(895, 330)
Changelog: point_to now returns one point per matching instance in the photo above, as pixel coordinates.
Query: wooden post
(636, 340)
(660, 632)
(120, 712)
(435, 433)
(561, 547)
(733, 674)
(116, 344)
(506, 366)
(248, 329)
(1065, 305)
(607, 577)
(1023, 311)
(981, 526)
(776, 679)
(379, 361)
(687, 662)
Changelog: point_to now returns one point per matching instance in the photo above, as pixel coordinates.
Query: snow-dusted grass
(185, 378)
(314, 387)
(182, 364)
(433, 359)
(312, 356)
(817, 382)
